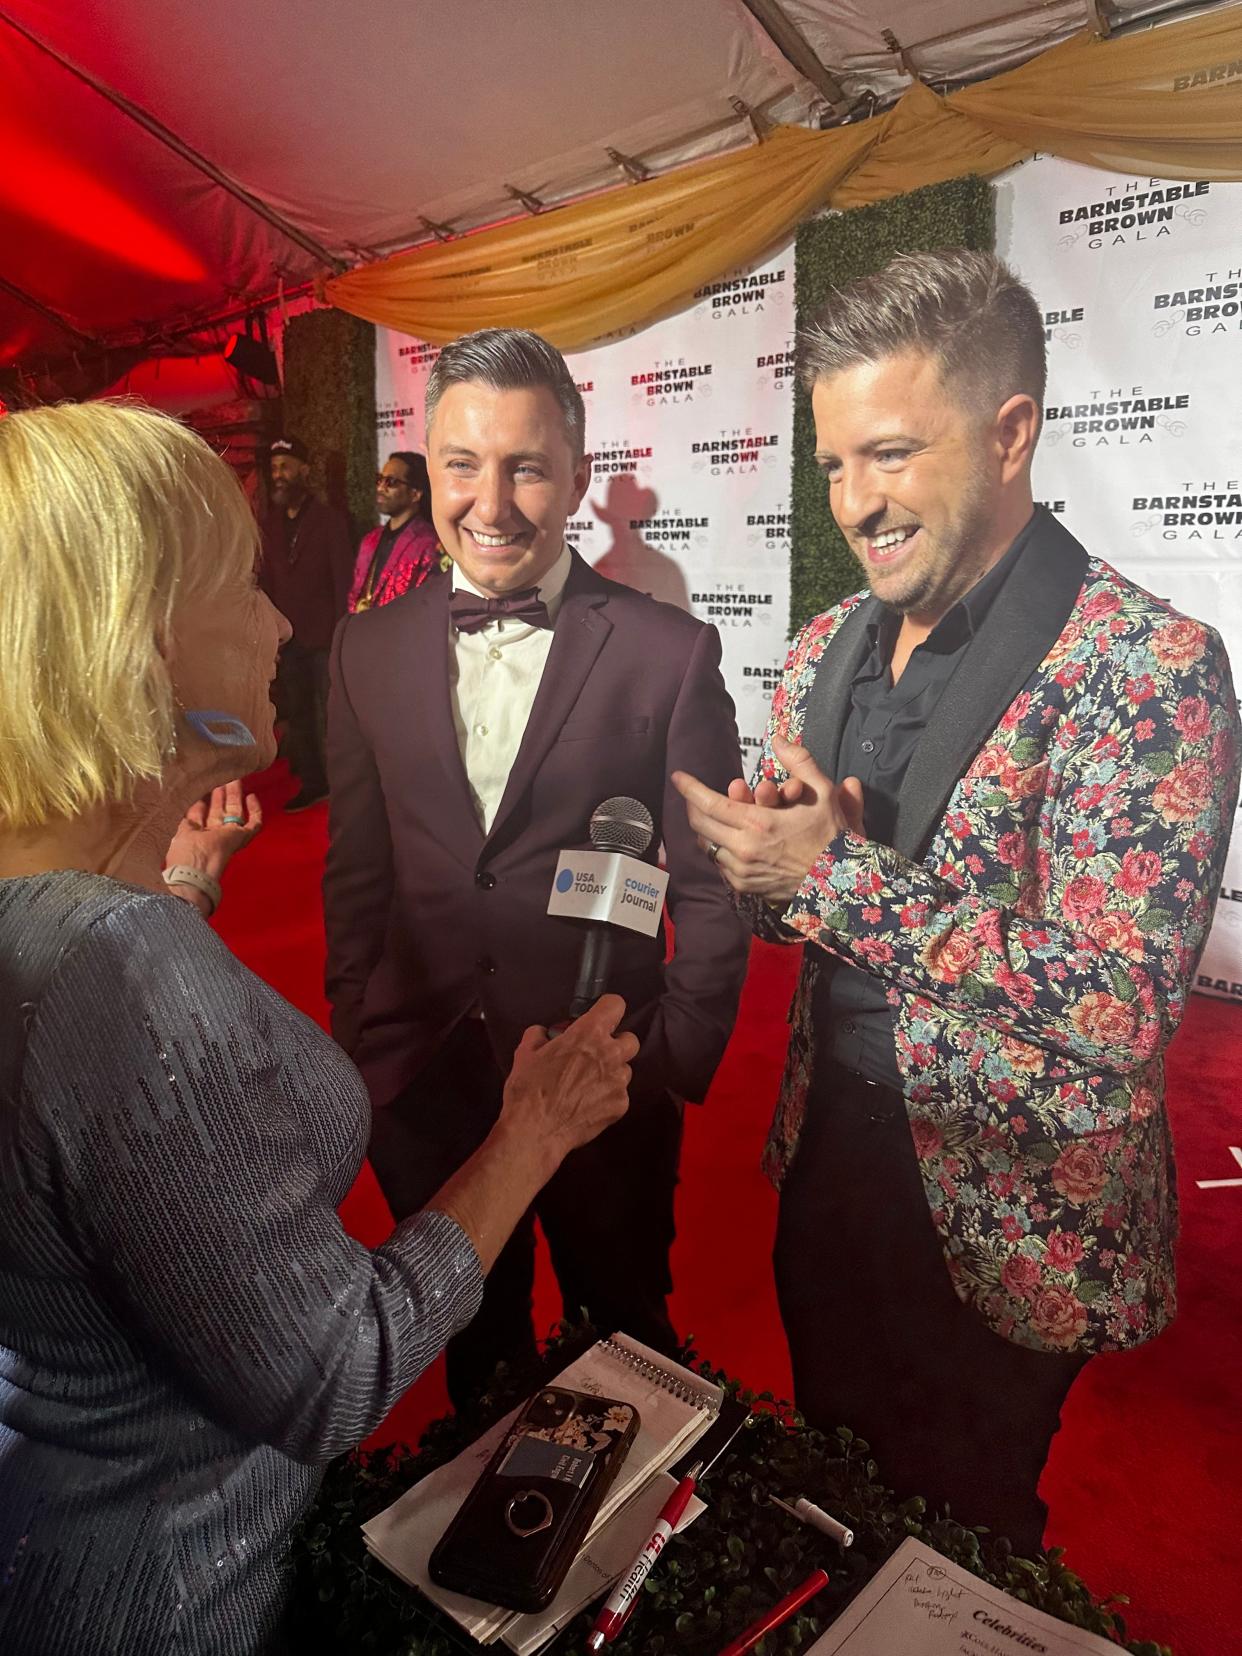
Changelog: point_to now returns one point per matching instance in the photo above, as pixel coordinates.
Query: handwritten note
(923, 1605)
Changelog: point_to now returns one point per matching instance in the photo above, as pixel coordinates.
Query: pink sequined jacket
(415, 555)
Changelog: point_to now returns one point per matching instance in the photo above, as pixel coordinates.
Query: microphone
(622, 826)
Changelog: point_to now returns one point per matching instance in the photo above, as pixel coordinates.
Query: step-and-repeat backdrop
(690, 424)
(1140, 282)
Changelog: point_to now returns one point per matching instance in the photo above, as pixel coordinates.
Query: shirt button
(493, 654)
(480, 730)
(485, 880)
(486, 965)
(868, 746)
(850, 1027)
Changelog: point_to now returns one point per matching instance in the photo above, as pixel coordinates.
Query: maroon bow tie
(471, 613)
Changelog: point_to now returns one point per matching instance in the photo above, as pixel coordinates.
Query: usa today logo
(585, 884)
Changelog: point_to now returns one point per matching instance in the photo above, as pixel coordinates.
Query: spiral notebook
(675, 1408)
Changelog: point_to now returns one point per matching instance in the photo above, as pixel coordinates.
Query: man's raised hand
(766, 841)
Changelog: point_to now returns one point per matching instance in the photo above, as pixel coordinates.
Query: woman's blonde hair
(111, 518)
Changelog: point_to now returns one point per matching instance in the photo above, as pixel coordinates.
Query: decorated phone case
(521, 1526)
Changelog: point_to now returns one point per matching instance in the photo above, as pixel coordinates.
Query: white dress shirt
(493, 677)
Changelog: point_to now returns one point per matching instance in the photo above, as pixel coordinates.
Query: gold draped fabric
(1166, 103)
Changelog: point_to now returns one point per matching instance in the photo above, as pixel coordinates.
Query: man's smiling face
(504, 482)
(912, 480)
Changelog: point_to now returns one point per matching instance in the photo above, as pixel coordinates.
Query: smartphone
(521, 1526)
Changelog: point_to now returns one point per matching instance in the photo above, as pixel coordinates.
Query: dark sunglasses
(384, 482)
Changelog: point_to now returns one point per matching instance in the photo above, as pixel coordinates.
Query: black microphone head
(622, 824)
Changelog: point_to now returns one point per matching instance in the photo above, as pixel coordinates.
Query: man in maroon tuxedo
(474, 725)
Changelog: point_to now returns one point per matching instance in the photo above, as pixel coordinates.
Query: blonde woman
(186, 1331)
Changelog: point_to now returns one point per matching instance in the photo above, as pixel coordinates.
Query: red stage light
(54, 190)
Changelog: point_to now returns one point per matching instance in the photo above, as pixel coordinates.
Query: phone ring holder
(536, 1516)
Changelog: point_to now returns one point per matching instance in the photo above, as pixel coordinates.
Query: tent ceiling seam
(757, 125)
(165, 135)
(1119, 24)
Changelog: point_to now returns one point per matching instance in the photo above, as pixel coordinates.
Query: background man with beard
(1005, 892)
(475, 724)
(308, 562)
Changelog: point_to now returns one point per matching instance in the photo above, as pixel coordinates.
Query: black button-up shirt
(881, 731)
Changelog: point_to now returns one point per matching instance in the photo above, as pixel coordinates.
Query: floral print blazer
(1058, 852)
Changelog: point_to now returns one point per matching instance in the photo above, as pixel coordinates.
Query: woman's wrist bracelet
(180, 874)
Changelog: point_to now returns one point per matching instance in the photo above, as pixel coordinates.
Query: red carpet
(1145, 1478)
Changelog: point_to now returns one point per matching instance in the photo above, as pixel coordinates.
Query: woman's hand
(564, 1091)
(560, 1094)
(213, 829)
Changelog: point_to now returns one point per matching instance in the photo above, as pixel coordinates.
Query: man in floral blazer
(1005, 901)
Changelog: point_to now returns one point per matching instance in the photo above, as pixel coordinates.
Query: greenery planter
(738, 1558)
(329, 402)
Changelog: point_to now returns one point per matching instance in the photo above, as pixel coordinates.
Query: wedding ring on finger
(235, 821)
(713, 850)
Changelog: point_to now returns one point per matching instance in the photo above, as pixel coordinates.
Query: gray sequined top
(186, 1331)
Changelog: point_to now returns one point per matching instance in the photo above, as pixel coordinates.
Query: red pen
(788, 1606)
(613, 1616)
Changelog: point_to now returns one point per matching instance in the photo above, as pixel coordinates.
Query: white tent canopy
(166, 160)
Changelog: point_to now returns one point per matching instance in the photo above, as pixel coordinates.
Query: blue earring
(231, 732)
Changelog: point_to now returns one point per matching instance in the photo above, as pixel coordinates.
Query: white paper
(403, 1535)
(924, 1605)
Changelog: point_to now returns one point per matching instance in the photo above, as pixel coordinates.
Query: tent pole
(179, 147)
(45, 311)
(797, 51)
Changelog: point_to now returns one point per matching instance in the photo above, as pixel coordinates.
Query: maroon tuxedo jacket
(428, 917)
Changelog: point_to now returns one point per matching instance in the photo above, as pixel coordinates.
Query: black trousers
(879, 1340)
(302, 701)
(607, 1213)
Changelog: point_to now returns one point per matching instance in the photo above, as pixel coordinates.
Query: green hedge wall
(329, 403)
(830, 252)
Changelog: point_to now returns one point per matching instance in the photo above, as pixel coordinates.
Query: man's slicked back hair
(964, 308)
(509, 359)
